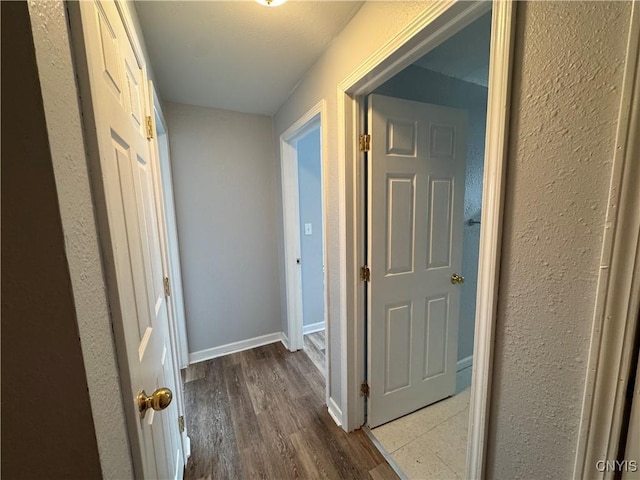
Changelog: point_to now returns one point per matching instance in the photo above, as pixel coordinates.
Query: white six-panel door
(416, 192)
(118, 84)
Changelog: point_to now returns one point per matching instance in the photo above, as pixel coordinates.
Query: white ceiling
(237, 55)
(465, 55)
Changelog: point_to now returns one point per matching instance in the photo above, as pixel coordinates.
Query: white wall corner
(285, 340)
(334, 411)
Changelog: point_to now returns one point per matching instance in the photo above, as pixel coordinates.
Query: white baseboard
(464, 363)
(312, 328)
(234, 347)
(285, 340)
(335, 412)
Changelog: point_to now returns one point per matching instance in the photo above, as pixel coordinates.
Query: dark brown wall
(47, 428)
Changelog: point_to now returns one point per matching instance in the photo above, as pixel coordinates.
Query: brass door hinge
(181, 423)
(149, 126)
(167, 287)
(365, 274)
(364, 389)
(365, 142)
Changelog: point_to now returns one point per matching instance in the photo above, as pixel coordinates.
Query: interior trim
(313, 328)
(317, 115)
(615, 316)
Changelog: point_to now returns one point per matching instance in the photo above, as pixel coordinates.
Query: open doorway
(426, 165)
(304, 236)
(309, 157)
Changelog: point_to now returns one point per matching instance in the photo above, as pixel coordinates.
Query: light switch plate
(307, 229)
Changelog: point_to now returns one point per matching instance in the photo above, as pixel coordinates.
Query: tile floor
(431, 444)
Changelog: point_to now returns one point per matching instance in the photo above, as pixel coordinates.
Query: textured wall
(47, 428)
(64, 128)
(569, 60)
(310, 195)
(415, 83)
(224, 186)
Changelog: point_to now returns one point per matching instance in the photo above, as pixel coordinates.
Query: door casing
(171, 258)
(437, 23)
(615, 314)
(168, 220)
(291, 229)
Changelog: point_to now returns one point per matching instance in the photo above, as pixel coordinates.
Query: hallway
(261, 414)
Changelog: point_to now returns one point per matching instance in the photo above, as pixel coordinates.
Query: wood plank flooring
(314, 347)
(261, 414)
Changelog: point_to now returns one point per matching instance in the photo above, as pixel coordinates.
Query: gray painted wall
(224, 186)
(310, 194)
(415, 83)
(569, 62)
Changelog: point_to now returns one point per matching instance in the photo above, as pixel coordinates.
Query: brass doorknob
(457, 279)
(158, 400)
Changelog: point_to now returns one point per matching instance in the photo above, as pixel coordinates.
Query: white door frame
(615, 316)
(168, 220)
(314, 118)
(171, 258)
(437, 23)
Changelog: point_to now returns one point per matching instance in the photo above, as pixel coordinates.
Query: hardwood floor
(261, 414)
(314, 347)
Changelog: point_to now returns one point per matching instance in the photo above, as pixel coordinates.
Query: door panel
(439, 222)
(118, 86)
(401, 137)
(110, 56)
(416, 195)
(400, 229)
(435, 353)
(398, 357)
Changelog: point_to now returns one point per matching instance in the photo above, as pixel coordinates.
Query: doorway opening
(425, 167)
(304, 236)
(310, 211)
(311, 236)
(353, 95)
